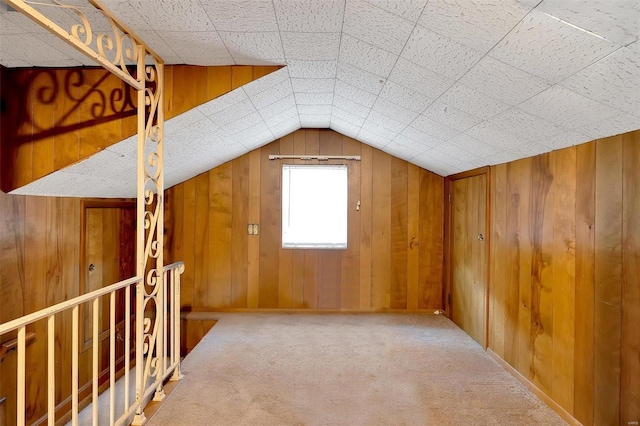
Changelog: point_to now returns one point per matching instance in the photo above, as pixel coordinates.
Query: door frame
(448, 235)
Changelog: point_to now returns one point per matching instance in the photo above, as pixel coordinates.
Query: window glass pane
(314, 206)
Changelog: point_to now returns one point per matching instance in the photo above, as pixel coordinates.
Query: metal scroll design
(153, 338)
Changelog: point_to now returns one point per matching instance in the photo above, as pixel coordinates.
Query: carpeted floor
(341, 369)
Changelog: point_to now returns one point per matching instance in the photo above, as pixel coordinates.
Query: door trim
(446, 298)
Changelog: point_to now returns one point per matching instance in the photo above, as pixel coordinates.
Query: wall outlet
(253, 229)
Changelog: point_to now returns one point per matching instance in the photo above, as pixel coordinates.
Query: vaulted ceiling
(449, 85)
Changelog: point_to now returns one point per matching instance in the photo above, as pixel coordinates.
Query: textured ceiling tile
(472, 145)
(266, 82)
(309, 15)
(456, 152)
(407, 98)
(427, 162)
(450, 116)
(315, 121)
(234, 112)
(125, 11)
(493, 134)
(617, 20)
(241, 16)
(472, 102)
(422, 138)
(286, 115)
(7, 26)
(376, 26)
(503, 157)
(549, 48)
(502, 81)
(243, 123)
(202, 59)
(347, 116)
(437, 157)
(354, 94)
(385, 128)
(567, 108)
(30, 49)
(385, 121)
(525, 125)
(315, 109)
(183, 120)
(205, 44)
(285, 128)
(265, 46)
(374, 139)
(359, 78)
(366, 56)
(272, 94)
(157, 43)
(529, 149)
(419, 79)
(439, 54)
(312, 85)
(613, 81)
(418, 145)
(350, 106)
(344, 127)
(174, 15)
(314, 98)
(565, 139)
(311, 69)
(408, 9)
(400, 151)
(311, 46)
(223, 102)
(278, 107)
(479, 24)
(259, 140)
(609, 127)
(424, 124)
(393, 111)
(251, 132)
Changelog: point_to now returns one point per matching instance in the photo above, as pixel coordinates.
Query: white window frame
(327, 230)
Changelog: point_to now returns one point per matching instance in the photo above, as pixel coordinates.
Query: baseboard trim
(536, 390)
(200, 313)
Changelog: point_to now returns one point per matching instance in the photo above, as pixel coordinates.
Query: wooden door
(109, 257)
(468, 255)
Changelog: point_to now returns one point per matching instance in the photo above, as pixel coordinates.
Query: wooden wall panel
(59, 116)
(362, 277)
(566, 233)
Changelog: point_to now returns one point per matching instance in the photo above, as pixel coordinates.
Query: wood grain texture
(60, 116)
(581, 223)
(312, 279)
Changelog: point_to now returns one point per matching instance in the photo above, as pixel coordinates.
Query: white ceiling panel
(309, 16)
(409, 9)
(311, 46)
(354, 94)
(567, 108)
(311, 69)
(615, 20)
(314, 98)
(503, 82)
(425, 125)
(366, 56)
(420, 79)
(241, 16)
(407, 98)
(439, 54)
(348, 105)
(359, 78)
(376, 26)
(344, 127)
(471, 101)
(450, 116)
(175, 15)
(394, 111)
(405, 76)
(265, 46)
(479, 24)
(613, 81)
(313, 85)
(550, 48)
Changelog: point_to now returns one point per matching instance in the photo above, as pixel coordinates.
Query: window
(314, 206)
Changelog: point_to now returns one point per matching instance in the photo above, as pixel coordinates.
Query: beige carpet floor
(341, 369)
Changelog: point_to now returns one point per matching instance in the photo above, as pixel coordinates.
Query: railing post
(177, 374)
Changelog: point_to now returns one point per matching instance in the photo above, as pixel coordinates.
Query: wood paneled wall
(565, 269)
(55, 117)
(395, 241)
